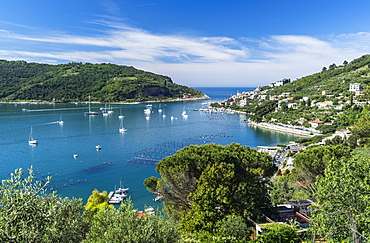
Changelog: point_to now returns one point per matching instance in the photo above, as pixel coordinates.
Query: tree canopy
(97, 201)
(29, 214)
(312, 162)
(361, 130)
(201, 185)
(123, 225)
(343, 200)
(278, 233)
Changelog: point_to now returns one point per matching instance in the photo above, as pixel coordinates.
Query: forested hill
(335, 78)
(20, 80)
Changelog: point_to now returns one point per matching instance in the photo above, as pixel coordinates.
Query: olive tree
(124, 225)
(29, 214)
(343, 200)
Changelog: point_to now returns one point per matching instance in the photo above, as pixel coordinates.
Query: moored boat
(121, 128)
(118, 195)
(31, 140)
(92, 113)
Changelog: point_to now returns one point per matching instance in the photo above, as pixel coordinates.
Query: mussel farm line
(152, 155)
(57, 182)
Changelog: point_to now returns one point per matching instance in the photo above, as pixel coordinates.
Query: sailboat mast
(31, 136)
(89, 104)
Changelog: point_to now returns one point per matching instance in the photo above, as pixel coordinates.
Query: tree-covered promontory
(20, 80)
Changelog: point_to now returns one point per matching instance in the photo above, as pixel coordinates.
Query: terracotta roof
(319, 122)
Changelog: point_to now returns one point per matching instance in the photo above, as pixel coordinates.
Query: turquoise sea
(130, 156)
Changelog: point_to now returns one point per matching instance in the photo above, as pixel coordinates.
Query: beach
(284, 128)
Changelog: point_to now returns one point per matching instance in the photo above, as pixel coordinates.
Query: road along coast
(281, 128)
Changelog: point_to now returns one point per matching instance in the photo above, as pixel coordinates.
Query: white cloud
(193, 61)
(136, 44)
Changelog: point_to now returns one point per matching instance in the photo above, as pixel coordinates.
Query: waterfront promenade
(300, 131)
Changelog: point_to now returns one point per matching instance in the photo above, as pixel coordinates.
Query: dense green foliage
(202, 185)
(20, 80)
(276, 232)
(282, 190)
(124, 225)
(29, 214)
(361, 130)
(98, 201)
(312, 162)
(258, 112)
(344, 201)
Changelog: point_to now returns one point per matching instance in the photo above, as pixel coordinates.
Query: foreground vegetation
(214, 193)
(22, 81)
(211, 193)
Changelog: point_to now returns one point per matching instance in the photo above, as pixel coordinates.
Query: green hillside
(336, 79)
(20, 80)
(324, 96)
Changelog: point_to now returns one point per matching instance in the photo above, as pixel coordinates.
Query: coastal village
(297, 211)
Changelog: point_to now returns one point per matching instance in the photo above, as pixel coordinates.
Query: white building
(324, 104)
(354, 87)
(243, 103)
(324, 92)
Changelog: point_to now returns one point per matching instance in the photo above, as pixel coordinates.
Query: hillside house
(305, 98)
(273, 97)
(355, 86)
(358, 92)
(292, 105)
(282, 82)
(358, 103)
(243, 103)
(324, 92)
(344, 133)
(325, 104)
(314, 124)
(294, 210)
(262, 97)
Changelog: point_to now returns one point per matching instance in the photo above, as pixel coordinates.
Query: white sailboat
(31, 140)
(121, 189)
(61, 122)
(121, 128)
(184, 115)
(90, 112)
(110, 111)
(118, 195)
(104, 110)
(120, 115)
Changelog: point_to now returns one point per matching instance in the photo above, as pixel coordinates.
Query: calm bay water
(131, 155)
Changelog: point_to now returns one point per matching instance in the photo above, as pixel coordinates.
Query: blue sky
(241, 43)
